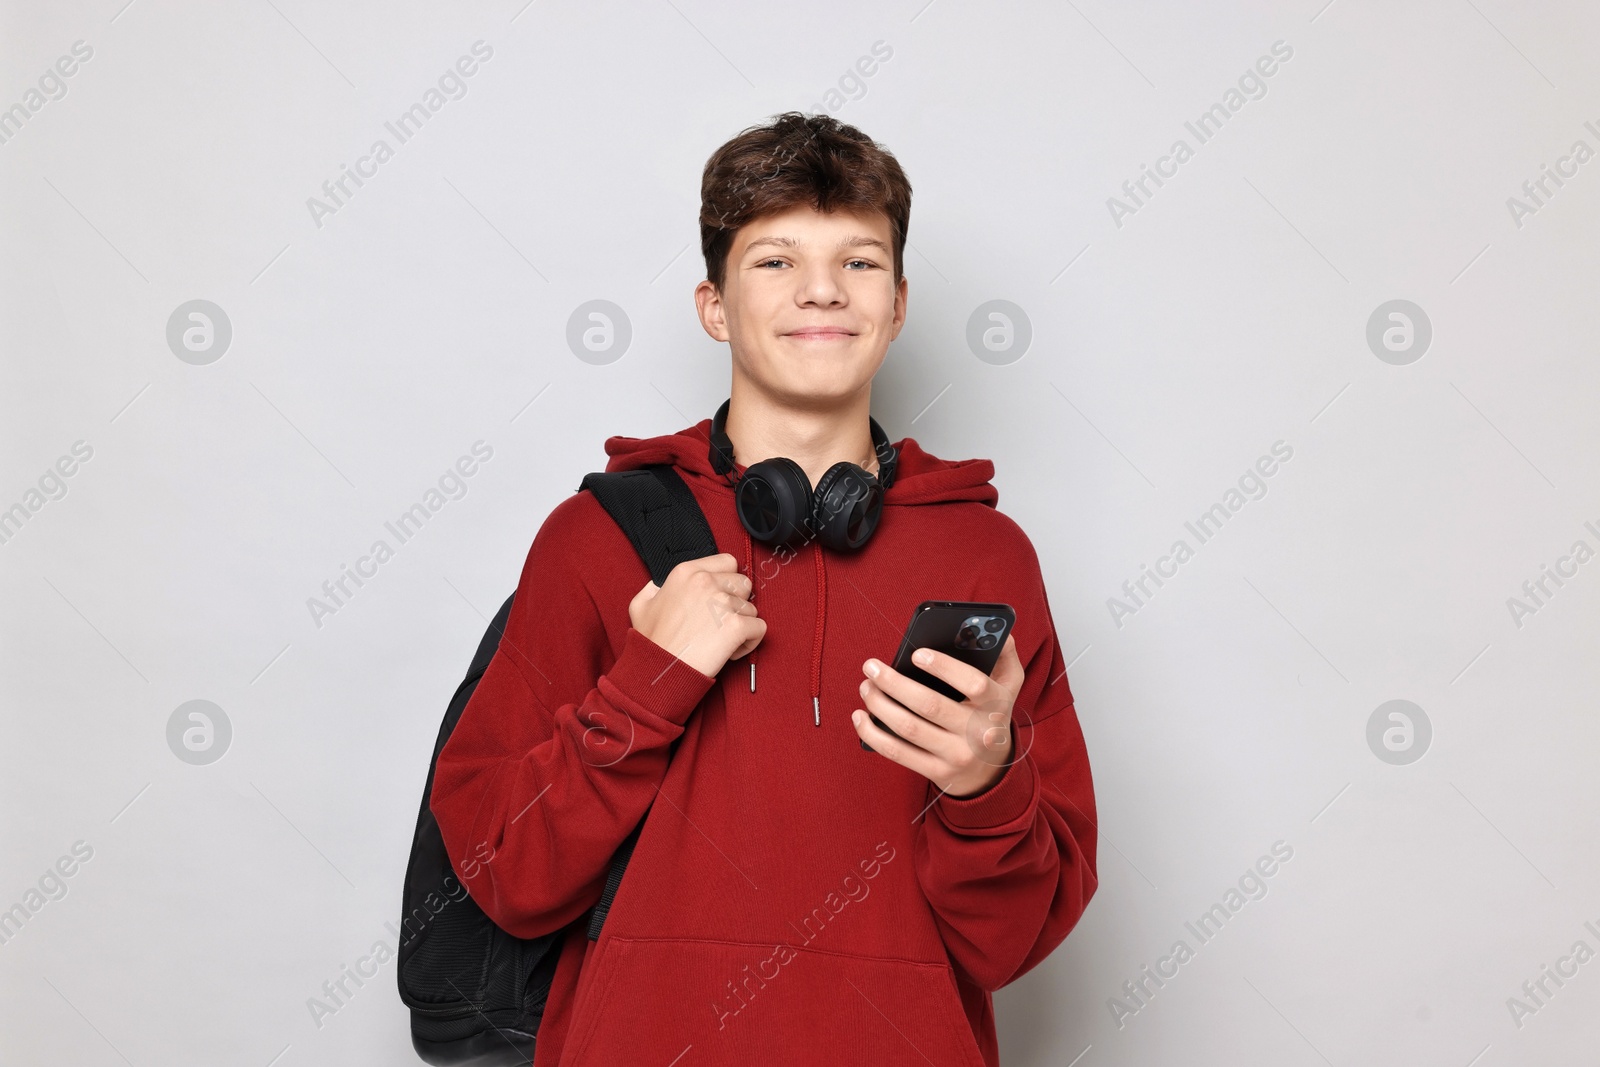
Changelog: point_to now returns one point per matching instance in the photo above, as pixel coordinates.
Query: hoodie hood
(920, 478)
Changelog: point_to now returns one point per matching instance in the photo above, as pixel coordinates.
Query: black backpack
(477, 993)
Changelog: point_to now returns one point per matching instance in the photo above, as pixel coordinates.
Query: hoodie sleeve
(1009, 871)
(565, 741)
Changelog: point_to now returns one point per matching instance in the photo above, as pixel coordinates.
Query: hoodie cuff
(1005, 806)
(647, 678)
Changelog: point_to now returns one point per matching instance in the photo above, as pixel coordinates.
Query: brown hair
(798, 159)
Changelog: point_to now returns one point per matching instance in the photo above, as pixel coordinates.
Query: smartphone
(971, 632)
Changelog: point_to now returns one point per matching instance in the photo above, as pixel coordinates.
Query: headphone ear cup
(773, 500)
(846, 507)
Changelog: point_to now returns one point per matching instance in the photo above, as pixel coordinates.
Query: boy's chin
(806, 392)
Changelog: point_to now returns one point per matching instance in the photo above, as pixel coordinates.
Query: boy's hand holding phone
(962, 747)
(702, 613)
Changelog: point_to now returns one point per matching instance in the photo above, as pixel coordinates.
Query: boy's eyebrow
(854, 241)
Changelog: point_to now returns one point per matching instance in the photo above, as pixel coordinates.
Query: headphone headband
(722, 447)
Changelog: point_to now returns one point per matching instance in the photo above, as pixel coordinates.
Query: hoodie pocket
(723, 1002)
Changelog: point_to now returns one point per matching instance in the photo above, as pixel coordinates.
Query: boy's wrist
(650, 678)
(1004, 802)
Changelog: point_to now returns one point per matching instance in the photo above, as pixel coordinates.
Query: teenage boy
(793, 896)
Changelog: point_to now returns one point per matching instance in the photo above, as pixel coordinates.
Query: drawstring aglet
(752, 676)
(816, 711)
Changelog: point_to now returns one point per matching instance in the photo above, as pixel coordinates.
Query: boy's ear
(713, 317)
(902, 292)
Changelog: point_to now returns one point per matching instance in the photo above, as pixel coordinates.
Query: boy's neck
(761, 427)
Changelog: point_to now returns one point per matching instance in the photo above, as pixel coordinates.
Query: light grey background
(1229, 312)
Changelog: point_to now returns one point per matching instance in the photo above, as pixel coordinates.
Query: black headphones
(777, 505)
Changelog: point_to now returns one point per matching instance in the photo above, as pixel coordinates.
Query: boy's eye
(867, 263)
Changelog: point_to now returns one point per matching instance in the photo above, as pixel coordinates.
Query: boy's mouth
(820, 333)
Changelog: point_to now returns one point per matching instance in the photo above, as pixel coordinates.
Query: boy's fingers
(892, 747)
(922, 734)
(1008, 671)
(735, 583)
(915, 696)
(749, 645)
(964, 676)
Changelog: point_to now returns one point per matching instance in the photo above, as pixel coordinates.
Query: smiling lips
(820, 333)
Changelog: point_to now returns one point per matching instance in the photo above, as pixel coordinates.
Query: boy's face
(809, 303)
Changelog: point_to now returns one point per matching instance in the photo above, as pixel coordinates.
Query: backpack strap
(666, 526)
(658, 513)
(619, 867)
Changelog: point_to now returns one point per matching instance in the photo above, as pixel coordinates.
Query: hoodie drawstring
(750, 569)
(816, 640)
(816, 643)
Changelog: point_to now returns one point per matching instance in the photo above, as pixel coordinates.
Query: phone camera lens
(994, 624)
(966, 635)
(988, 641)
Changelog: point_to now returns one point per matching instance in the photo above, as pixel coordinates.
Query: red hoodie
(793, 898)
